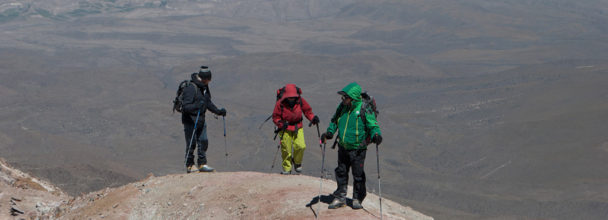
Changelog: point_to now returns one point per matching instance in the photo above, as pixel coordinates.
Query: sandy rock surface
(218, 195)
(25, 197)
(229, 195)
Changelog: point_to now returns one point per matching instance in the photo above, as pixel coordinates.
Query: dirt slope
(220, 195)
(24, 197)
(227, 195)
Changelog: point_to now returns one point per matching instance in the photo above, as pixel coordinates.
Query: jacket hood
(353, 90)
(290, 91)
(196, 81)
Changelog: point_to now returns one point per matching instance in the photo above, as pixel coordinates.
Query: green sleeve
(372, 123)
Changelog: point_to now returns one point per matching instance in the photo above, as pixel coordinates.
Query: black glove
(284, 125)
(315, 120)
(326, 135)
(377, 138)
(222, 112)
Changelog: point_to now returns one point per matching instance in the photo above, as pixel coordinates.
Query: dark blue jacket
(197, 96)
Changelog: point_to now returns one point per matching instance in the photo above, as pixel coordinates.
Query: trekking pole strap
(319, 135)
(335, 142)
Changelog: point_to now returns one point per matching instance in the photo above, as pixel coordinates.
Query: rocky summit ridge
(218, 195)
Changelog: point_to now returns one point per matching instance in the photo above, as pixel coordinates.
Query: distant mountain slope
(267, 10)
(489, 108)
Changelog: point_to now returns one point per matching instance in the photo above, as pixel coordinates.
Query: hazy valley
(489, 109)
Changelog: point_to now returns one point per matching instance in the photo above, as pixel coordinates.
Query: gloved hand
(222, 112)
(315, 120)
(284, 125)
(377, 138)
(326, 135)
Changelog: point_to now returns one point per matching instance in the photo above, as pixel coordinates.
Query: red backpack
(281, 91)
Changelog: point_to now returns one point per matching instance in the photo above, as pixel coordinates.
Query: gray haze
(489, 108)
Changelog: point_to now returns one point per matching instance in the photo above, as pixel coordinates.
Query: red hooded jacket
(293, 116)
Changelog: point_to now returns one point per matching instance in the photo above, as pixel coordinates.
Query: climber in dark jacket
(197, 97)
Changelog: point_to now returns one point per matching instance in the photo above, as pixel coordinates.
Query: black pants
(200, 142)
(348, 159)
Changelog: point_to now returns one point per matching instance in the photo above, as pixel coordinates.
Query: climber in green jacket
(356, 128)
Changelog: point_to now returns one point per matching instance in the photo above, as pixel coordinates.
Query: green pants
(299, 144)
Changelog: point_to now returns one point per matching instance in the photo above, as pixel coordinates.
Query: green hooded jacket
(349, 123)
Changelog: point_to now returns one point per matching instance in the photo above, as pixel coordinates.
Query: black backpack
(178, 102)
(369, 104)
(368, 107)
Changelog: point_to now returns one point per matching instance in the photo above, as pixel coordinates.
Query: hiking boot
(298, 168)
(337, 203)
(285, 172)
(205, 168)
(357, 204)
(191, 169)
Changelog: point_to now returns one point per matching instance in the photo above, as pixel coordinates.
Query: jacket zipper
(346, 126)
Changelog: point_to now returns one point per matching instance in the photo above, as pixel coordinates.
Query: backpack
(281, 91)
(368, 106)
(178, 102)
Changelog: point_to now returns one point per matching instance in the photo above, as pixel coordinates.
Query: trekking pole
(276, 132)
(225, 144)
(275, 156)
(269, 117)
(322, 169)
(293, 140)
(191, 138)
(379, 188)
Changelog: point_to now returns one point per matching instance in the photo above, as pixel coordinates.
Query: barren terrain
(489, 108)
